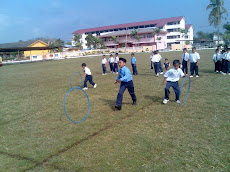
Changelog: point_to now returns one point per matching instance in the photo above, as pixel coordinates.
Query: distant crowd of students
(221, 60)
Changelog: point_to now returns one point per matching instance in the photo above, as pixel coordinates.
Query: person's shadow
(154, 98)
(111, 103)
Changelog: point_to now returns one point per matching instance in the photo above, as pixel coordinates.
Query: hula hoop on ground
(186, 97)
(75, 89)
(72, 79)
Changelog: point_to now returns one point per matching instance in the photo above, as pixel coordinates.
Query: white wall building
(173, 26)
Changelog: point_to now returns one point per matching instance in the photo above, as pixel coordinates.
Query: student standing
(216, 61)
(103, 64)
(88, 77)
(166, 64)
(116, 60)
(185, 58)
(172, 77)
(125, 79)
(160, 66)
(223, 67)
(151, 56)
(111, 63)
(227, 61)
(134, 64)
(156, 60)
(194, 58)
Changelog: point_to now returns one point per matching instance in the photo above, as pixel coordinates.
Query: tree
(68, 43)
(57, 43)
(94, 42)
(217, 14)
(156, 31)
(134, 35)
(226, 35)
(77, 41)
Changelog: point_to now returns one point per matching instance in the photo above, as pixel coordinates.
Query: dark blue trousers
(156, 67)
(160, 67)
(223, 67)
(123, 86)
(111, 67)
(151, 65)
(103, 68)
(194, 67)
(185, 66)
(90, 79)
(134, 69)
(115, 69)
(227, 66)
(176, 89)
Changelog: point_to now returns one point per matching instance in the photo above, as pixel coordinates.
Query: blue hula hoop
(186, 97)
(75, 89)
(71, 78)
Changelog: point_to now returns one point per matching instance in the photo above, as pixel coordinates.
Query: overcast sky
(27, 19)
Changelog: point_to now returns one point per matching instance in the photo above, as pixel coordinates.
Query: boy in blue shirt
(172, 76)
(133, 63)
(125, 79)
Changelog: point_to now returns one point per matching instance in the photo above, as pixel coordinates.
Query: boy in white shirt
(172, 77)
(103, 64)
(116, 60)
(151, 56)
(223, 63)
(194, 58)
(185, 58)
(227, 61)
(160, 65)
(156, 62)
(88, 77)
(216, 61)
(111, 62)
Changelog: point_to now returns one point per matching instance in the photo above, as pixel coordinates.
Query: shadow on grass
(111, 103)
(154, 98)
(206, 71)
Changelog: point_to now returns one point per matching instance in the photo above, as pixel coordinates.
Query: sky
(28, 19)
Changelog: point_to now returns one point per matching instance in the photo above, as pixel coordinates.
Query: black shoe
(118, 107)
(135, 102)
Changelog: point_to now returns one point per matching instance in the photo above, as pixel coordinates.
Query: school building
(170, 35)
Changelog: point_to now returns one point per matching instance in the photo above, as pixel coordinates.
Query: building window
(149, 35)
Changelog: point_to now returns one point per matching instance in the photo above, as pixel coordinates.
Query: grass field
(35, 134)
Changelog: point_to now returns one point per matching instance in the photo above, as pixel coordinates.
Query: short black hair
(132, 53)
(103, 56)
(166, 59)
(122, 59)
(218, 46)
(228, 49)
(116, 53)
(176, 62)
(185, 49)
(111, 54)
(216, 50)
(194, 48)
(83, 64)
(157, 51)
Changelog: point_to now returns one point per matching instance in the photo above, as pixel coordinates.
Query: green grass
(36, 135)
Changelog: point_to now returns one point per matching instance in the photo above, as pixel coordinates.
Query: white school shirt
(193, 57)
(103, 61)
(87, 71)
(227, 57)
(116, 59)
(174, 74)
(215, 58)
(185, 56)
(111, 60)
(223, 56)
(155, 58)
(159, 56)
(151, 57)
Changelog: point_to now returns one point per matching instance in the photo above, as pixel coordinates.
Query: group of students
(192, 57)
(221, 60)
(113, 64)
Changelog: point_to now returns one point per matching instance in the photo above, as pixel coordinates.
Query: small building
(37, 54)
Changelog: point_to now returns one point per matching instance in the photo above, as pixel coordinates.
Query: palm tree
(156, 31)
(216, 14)
(134, 35)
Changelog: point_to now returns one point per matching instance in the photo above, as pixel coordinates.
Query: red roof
(159, 23)
(187, 26)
